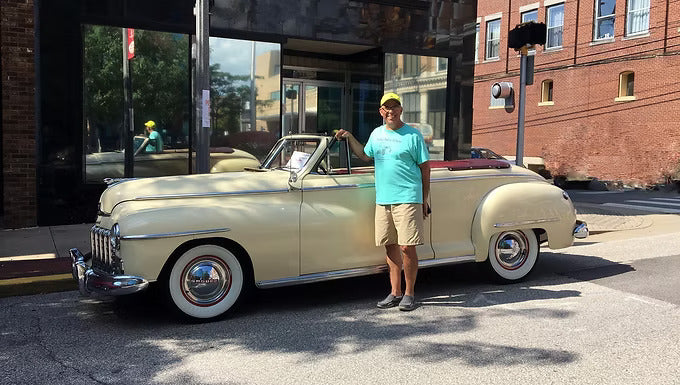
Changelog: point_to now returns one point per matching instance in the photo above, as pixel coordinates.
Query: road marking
(667, 199)
(654, 203)
(643, 208)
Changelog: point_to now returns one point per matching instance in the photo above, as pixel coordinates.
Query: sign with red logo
(130, 43)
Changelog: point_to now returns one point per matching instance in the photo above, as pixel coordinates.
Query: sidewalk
(36, 260)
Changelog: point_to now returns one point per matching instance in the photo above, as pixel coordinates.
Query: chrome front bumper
(91, 281)
(580, 230)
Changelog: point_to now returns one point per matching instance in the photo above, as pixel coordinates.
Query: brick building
(605, 101)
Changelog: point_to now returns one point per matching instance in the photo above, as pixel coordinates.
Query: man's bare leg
(394, 263)
(410, 262)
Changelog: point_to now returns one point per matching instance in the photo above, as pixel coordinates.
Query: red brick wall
(18, 113)
(586, 131)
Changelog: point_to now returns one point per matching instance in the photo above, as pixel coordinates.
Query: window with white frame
(554, 16)
(604, 19)
(637, 17)
(442, 63)
(493, 39)
(477, 43)
(530, 16)
(410, 102)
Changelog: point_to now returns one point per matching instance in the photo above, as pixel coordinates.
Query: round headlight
(115, 237)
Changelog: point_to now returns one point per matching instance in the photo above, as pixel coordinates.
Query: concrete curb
(37, 285)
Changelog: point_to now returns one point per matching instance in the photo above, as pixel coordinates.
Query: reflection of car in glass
(484, 153)
(426, 130)
(207, 239)
(533, 163)
(102, 165)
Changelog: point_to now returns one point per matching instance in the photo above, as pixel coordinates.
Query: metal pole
(252, 89)
(519, 157)
(128, 116)
(202, 89)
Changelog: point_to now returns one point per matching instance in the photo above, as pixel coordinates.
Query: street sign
(130, 43)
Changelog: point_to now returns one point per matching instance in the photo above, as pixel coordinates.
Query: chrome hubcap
(206, 281)
(512, 249)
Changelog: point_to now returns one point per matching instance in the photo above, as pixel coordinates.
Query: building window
(390, 66)
(411, 65)
(546, 93)
(411, 104)
(477, 43)
(626, 86)
(555, 23)
(530, 16)
(442, 63)
(493, 39)
(275, 95)
(604, 19)
(637, 17)
(436, 111)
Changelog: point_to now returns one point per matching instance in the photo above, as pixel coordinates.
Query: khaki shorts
(400, 224)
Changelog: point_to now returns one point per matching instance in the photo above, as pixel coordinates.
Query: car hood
(191, 186)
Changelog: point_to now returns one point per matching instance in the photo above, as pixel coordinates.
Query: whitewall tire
(206, 281)
(513, 254)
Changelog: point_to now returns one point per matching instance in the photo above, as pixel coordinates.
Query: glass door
(291, 108)
(313, 107)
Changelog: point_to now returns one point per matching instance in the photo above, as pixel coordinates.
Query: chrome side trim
(481, 177)
(338, 274)
(330, 187)
(203, 195)
(522, 223)
(178, 234)
(360, 185)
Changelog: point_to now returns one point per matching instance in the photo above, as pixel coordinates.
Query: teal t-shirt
(155, 142)
(397, 154)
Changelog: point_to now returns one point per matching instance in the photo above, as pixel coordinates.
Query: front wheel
(513, 254)
(206, 281)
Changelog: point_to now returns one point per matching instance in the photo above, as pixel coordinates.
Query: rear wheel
(206, 281)
(513, 254)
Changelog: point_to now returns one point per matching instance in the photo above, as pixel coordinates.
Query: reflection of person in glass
(155, 144)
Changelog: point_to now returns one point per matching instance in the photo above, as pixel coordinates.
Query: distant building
(605, 101)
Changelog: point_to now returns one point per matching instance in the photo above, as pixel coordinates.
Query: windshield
(290, 154)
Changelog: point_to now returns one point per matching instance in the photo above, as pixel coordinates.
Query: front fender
(266, 227)
(527, 205)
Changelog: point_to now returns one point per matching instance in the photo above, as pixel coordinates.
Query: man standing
(155, 144)
(402, 186)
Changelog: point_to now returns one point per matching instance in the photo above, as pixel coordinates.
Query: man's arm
(354, 144)
(425, 172)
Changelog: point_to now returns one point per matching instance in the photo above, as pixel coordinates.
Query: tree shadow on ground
(330, 320)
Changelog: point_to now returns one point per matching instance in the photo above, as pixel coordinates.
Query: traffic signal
(531, 33)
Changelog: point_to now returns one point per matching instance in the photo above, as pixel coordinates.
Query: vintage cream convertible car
(306, 215)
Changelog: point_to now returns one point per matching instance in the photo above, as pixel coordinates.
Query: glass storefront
(300, 67)
(245, 96)
(158, 70)
(421, 82)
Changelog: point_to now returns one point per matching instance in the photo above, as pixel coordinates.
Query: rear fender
(527, 205)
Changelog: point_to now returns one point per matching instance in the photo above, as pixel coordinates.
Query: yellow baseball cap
(390, 96)
(151, 124)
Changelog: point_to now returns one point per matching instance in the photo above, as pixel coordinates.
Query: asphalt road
(595, 313)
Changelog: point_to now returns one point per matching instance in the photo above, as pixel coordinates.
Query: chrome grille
(104, 257)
